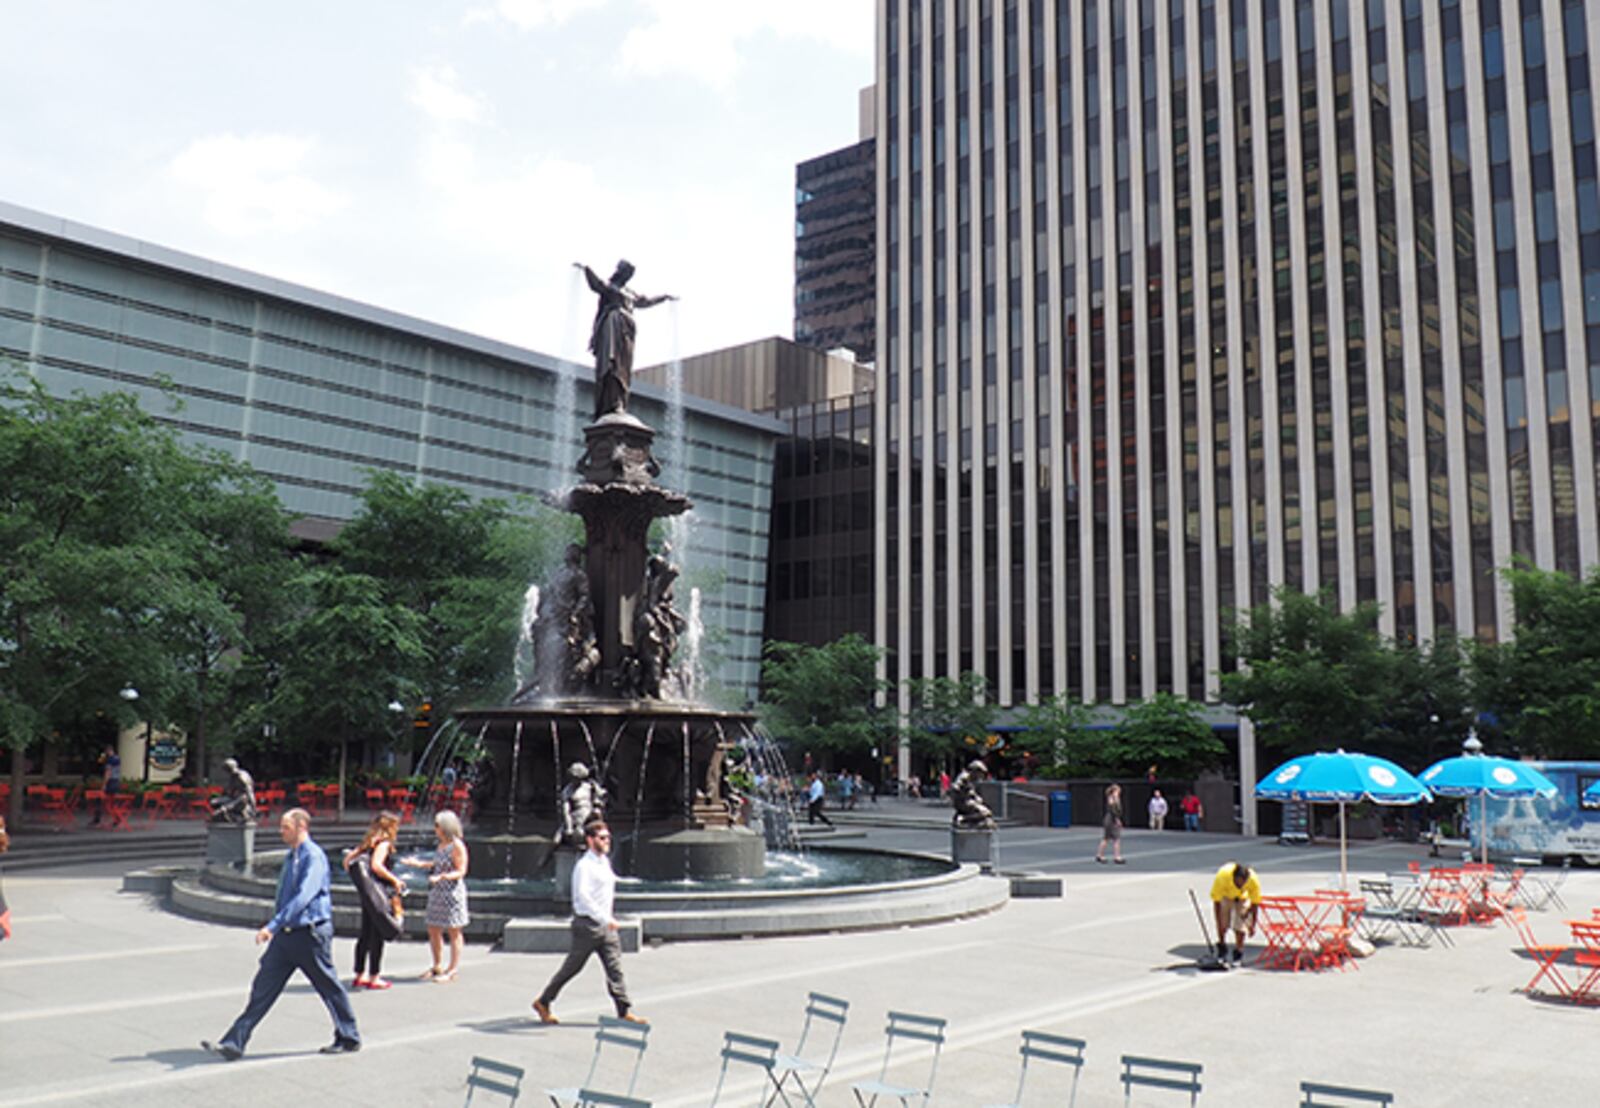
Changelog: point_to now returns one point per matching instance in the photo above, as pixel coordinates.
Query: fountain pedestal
(230, 844)
(971, 845)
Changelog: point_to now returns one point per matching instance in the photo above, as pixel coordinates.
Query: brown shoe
(631, 1018)
(542, 1010)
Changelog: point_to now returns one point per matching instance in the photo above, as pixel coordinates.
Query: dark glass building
(1181, 300)
(835, 293)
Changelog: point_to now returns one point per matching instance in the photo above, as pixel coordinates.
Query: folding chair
(1545, 955)
(1408, 895)
(589, 1098)
(1547, 891)
(1314, 1095)
(795, 1067)
(1159, 1073)
(496, 1077)
(1384, 914)
(746, 1050)
(1048, 1048)
(622, 1035)
(916, 1029)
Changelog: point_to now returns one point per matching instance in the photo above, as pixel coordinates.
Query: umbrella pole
(1483, 825)
(1343, 865)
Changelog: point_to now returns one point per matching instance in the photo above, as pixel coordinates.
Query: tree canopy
(1541, 688)
(825, 698)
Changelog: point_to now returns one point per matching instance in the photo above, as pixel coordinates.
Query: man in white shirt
(816, 794)
(594, 928)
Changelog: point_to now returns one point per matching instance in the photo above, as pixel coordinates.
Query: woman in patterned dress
(447, 895)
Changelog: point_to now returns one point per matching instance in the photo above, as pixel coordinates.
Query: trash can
(1061, 809)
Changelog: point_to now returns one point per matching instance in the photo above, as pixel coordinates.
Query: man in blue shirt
(301, 936)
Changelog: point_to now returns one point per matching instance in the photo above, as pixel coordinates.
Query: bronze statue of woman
(612, 340)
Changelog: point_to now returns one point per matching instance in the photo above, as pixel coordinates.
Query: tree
(98, 526)
(1166, 730)
(1057, 732)
(1310, 677)
(345, 655)
(950, 716)
(1543, 685)
(825, 697)
(462, 567)
(1427, 708)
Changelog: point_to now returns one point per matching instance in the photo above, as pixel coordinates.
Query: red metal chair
(1546, 956)
(117, 808)
(402, 804)
(54, 809)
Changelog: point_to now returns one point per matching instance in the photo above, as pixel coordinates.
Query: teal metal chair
(904, 1028)
(806, 1069)
(494, 1077)
(1037, 1046)
(1316, 1095)
(622, 1037)
(590, 1098)
(1159, 1073)
(747, 1050)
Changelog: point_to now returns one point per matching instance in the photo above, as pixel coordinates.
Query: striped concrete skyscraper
(1180, 300)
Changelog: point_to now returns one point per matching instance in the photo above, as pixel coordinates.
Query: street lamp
(131, 696)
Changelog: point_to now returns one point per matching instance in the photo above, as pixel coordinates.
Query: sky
(449, 159)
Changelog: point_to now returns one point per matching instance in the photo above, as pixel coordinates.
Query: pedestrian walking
(1111, 826)
(1193, 810)
(816, 796)
(594, 927)
(1158, 811)
(299, 937)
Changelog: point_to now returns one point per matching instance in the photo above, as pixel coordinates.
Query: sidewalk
(103, 998)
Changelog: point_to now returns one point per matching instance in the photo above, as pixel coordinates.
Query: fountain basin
(935, 890)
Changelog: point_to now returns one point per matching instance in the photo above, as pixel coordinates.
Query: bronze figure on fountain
(611, 341)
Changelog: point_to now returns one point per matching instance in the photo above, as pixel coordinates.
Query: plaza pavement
(104, 997)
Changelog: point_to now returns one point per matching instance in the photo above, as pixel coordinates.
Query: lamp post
(131, 695)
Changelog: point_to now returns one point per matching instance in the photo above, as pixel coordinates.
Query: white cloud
(530, 15)
(255, 184)
(437, 91)
(520, 225)
(705, 39)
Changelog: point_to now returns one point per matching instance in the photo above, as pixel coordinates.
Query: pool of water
(812, 869)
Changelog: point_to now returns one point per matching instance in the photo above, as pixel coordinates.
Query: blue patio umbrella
(1483, 776)
(1342, 778)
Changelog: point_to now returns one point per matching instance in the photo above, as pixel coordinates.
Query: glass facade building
(823, 523)
(311, 389)
(1180, 300)
(835, 296)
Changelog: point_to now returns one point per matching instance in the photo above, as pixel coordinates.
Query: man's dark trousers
(589, 937)
(309, 950)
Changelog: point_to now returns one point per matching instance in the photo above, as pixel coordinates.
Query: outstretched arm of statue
(597, 284)
(652, 301)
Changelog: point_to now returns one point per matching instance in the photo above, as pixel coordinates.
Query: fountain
(599, 686)
(606, 690)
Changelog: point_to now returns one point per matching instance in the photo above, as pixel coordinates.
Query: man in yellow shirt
(1235, 894)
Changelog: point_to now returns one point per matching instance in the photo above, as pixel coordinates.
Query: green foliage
(1311, 677)
(1427, 704)
(461, 568)
(1167, 731)
(1057, 732)
(825, 697)
(1544, 684)
(124, 557)
(950, 717)
(350, 651)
